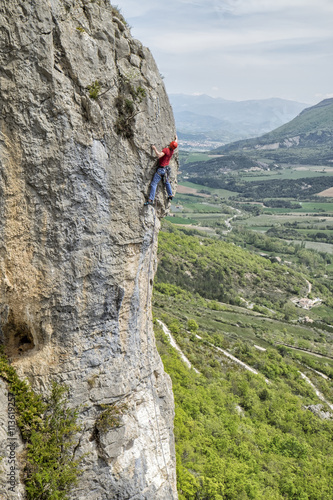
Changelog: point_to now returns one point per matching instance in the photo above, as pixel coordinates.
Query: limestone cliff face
(77, 247)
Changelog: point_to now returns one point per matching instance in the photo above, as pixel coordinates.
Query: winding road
(228, 221)
(238, 361)
(176, 346)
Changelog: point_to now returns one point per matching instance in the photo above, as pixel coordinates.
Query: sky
(239, 49)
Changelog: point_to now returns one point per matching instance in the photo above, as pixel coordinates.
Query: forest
(243, 435)
(285, 188)
(245, 275)
(224, 271)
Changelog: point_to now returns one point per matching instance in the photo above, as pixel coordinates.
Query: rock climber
(162, 171)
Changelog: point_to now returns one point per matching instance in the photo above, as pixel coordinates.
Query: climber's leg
(153, 187)
(169, 189)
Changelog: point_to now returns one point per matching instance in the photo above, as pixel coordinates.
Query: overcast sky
(239, 49)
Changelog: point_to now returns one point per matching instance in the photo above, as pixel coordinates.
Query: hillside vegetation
(246, 270)
(223, 271)
(239, 436)
(307, 138)
(243, 435)
(202, 120)
(260, 189)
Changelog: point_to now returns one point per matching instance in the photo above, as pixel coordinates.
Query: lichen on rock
(78, 248)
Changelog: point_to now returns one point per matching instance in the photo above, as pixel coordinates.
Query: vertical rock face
(77, 247)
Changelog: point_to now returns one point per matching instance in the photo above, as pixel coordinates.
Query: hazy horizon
(242, 100)
(239, 49)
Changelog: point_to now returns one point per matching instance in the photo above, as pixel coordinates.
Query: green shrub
(48, 427)
(116, 12)
(127, 106)
(94, 89)
(110, 418)
(192, 325)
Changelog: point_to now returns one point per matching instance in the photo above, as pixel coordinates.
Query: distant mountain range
(308, 138)
(204, 120)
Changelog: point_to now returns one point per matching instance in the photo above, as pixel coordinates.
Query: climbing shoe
(149, 202)
(170, 198)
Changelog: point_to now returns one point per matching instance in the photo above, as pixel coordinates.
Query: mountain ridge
(310, 133)
(236, 119)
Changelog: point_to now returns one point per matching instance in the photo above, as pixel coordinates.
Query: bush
(192, 325)
(48, 427)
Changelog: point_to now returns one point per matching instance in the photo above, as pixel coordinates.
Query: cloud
(201, 41)
(324, 96)
(209, 26)
(245, 7)
(267, 44)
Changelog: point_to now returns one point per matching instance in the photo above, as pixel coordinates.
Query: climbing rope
(158, 108)
(149, 362)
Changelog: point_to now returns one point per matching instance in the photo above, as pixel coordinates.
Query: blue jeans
(156, 179)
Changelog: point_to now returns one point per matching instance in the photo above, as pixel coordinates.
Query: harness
(165, 176)
(166, 169)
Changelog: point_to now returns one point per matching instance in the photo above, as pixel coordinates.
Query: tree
(192, 325)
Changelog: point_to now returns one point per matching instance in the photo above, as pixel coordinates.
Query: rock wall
(77, 246)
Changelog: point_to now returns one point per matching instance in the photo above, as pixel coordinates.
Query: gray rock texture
(77, 246)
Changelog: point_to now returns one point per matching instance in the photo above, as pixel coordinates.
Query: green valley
(307, 138)
(241, 434)
(245, 285)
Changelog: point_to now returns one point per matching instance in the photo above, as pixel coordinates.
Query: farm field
(307, 207)
(225, 214)
(327, 193)
(181, 189)
(306, 221)
(314, 245)
(290, 173)
(269, 220)
(223, 193)
(238, 323)
(214, 212)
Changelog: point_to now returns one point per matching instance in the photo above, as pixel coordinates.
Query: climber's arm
(159, 154)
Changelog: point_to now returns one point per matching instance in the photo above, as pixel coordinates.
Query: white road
(238, 361)
(319, 394)
(176, 346)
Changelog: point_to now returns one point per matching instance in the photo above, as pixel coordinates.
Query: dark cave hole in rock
(18, 338)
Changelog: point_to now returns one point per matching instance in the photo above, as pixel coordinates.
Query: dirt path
(175, 345)
(188, 190)
(317, 372)
(309, 287)
(228, 221)
(238, 361)
(304, 350)
(319, 394)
